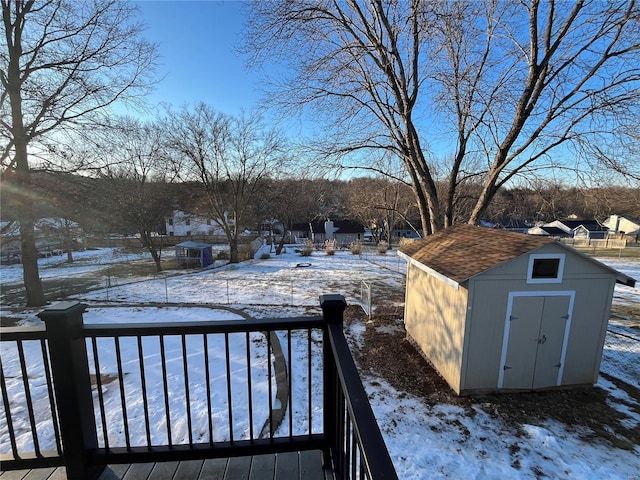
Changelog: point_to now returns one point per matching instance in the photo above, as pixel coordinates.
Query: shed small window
(545, 268)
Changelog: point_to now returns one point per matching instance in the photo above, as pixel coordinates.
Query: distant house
(512, 224)
(501, 311)
(623, 225)
(300, 232)
(404, 233)
(554, 232)
(183, 224)
(343, 231)
(580, 229)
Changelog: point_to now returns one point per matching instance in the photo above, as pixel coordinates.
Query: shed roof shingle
(463, 251)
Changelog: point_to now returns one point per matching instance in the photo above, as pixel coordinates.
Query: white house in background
(342, 231)
(580, 228)
(182, 224)
(623, 225)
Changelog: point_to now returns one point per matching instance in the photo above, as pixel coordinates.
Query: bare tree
(380, 204)
(232, 158)
(134, 187)
(522, 95)
(290, 200)
(61, 63)
(509, 85)
(362, 65)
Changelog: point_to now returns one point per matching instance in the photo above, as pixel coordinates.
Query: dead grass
(632, 250)
(59, 288)
(628, 315)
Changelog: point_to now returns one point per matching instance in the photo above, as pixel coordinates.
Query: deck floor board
(262, 466)
(189, 470)
(287, 466)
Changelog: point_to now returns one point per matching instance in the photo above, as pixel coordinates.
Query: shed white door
(535, 341)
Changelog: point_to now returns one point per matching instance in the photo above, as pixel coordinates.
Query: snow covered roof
(553, 231)
(591, 225)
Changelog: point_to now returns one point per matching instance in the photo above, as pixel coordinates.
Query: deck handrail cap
(62, 309)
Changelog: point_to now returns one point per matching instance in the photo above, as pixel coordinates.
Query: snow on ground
(441, 441)
(287, 279)
(83, 262)
(623, 294)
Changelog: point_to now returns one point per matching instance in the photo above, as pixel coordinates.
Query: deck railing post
(332, 311)
(72, 381)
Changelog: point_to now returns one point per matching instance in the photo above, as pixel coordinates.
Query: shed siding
(588, 328)
(488, 299)
(435, 318)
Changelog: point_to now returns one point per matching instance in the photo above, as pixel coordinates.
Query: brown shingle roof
(462, 251)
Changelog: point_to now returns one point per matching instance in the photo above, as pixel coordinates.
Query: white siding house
(182, 224)
(618, 225)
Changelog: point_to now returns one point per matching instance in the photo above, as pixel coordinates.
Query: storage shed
(193, 255)
(500, 311)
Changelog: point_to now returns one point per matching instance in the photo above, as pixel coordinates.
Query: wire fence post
(166, 290)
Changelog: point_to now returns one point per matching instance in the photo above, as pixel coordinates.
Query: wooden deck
(282, 466)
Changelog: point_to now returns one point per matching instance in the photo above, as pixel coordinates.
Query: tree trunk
(488, 192)
(425, 189)
(156, 259)
(30, 273)
(233, 250)
(147, 242)
(68, 242)
(31, 276)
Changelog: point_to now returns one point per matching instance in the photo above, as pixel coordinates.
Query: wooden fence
(595, 243)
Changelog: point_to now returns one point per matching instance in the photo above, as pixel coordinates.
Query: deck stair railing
(85, 396)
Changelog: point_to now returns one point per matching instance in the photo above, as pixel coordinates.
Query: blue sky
(196, 44)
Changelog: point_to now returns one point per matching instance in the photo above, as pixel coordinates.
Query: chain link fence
(225, 291)
(391, 261)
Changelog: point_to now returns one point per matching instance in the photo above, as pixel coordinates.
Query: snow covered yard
(426, 439)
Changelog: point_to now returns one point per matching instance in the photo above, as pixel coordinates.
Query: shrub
(406, 241)
(356, 247)
(330, 246)
(383, 247)
(307, 248)
(265, 256)
(245, 252)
